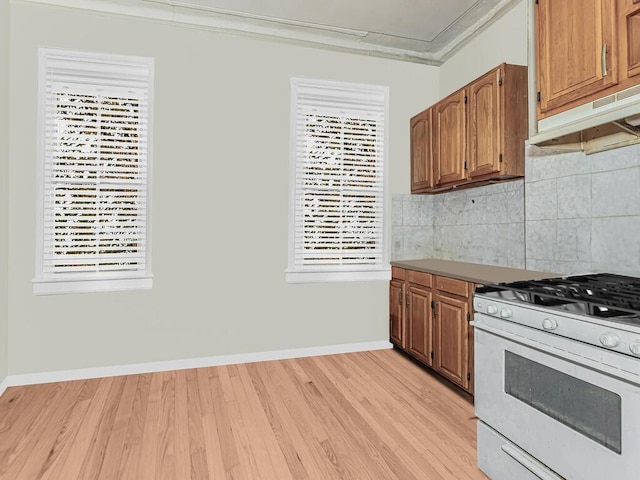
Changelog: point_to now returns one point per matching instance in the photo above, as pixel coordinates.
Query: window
(337, 229)
(94, 172)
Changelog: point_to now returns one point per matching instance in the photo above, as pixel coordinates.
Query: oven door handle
(527, 461)
(624, 375)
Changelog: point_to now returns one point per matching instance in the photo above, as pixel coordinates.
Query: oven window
(582, 406)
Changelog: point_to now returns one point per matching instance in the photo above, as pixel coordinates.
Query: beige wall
(4, 184)
(220, 191)
(503, 41)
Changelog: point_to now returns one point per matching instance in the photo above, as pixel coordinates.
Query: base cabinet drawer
(500, 459)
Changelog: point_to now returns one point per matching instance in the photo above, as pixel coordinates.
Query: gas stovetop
(599, 295)
(599, 309)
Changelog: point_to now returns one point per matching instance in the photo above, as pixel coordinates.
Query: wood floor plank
(215, 461)
(189, 440)
(103, 433)
(132, 447)
(165, 452)
(269, 443)
(66, 436)
(147, 465)
(224, 430)
(286, 422)
(32, 448)
(360, 416)
(381, 462)
(193, 442)
(109, 468)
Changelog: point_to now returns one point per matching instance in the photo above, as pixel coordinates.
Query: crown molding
(186, 14)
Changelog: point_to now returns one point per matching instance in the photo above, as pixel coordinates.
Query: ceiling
(423, 31)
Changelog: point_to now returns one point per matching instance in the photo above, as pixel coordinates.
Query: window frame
(380, 270)
(101, 280)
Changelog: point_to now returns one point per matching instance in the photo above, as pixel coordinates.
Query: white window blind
(337, 229)
(95, 171)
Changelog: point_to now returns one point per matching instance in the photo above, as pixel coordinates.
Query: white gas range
(557, 379)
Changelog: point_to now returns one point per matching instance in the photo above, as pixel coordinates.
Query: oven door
(580, 422)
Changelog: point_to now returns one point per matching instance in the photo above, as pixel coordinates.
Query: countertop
(471, 272)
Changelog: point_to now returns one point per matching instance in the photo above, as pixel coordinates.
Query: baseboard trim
(133, 369)
(4, 384)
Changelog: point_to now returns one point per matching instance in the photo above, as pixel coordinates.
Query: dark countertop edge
(471, 272)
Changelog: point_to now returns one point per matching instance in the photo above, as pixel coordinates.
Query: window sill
(59, 287)
(379, 274)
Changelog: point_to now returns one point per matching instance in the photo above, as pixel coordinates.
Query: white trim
(337, 98)
(293, 276)
(134, 369)
(4, 384)
(117, 73)
(191, 15)
(87, 286)
(185, 13)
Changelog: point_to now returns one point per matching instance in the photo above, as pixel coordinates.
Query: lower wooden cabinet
(429, 320)
(396, 313)
(451, 319)
(419, 323)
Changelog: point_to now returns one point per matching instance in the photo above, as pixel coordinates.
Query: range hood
(609, 122)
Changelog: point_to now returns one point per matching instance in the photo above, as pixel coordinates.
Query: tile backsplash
(478, 225)
(573, 213)
(583, 211)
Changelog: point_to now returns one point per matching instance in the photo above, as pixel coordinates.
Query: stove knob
(549, 324)
(635, 348)
(506, 313)
(610, 340)
(492, 309)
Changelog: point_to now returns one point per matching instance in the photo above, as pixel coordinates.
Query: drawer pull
(530, 463)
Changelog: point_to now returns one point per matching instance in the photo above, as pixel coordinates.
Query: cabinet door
(629, 29)
(396, 309)
(421, 148)
(576, 50)
(451, 349)
(485, 124)
(419, 324)
(450, 139)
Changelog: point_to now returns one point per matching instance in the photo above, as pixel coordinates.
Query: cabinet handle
(604, 60)
(400, 297)
(407, 298)
(528, 462)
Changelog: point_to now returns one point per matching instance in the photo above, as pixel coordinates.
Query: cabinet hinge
(499, 81)
(500, 158)
(465, 165)
(433, 305)
(538, 96)
(431, 355)
(468, 376)
(466, 99)
(468, 317)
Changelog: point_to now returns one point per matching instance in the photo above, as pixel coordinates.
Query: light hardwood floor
(371, 415)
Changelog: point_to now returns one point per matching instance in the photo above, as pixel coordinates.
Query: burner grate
(602, 295)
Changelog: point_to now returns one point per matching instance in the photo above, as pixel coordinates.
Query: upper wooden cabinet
(450, 139)
(421, 151)
(477, 133)
(629, 31)
(576, 46)
(497, 123)
(585, 50)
